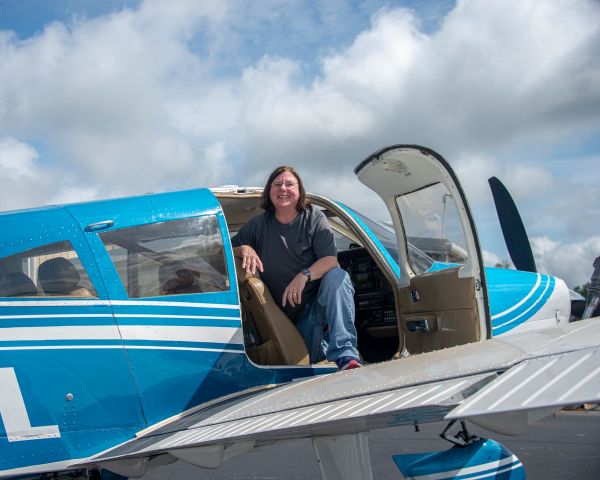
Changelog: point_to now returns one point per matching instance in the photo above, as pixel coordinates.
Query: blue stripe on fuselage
(516, 296)
(91, 344)
(89, 320)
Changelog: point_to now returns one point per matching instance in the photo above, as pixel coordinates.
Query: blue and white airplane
(130, 338)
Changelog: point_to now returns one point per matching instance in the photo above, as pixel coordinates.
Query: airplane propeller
(512, 226)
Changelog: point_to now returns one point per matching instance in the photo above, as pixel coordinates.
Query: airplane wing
(501, 384)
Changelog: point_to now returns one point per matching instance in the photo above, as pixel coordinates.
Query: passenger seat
(59, 277)
(17, 284)
(280, 342)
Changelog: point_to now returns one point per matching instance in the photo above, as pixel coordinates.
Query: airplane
(130, 336)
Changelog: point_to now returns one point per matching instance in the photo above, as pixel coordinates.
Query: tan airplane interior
(437, 310)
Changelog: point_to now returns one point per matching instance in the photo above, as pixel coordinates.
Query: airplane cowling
(482, 459)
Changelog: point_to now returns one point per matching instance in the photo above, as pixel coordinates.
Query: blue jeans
(333, 308)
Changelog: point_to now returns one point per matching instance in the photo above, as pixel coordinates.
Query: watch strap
(306, 272)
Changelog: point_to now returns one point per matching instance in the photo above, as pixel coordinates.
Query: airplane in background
(131, 338)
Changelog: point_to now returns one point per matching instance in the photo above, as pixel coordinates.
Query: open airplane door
(445, 305)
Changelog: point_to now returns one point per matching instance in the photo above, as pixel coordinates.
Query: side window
(343, 237)
(169, 258)
(432, 224)
(52, 270)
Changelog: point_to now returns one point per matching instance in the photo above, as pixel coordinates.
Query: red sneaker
(348, 363)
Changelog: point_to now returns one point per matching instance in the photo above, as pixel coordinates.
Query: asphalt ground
(566, 446)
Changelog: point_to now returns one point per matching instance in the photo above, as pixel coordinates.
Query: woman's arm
(293, 292)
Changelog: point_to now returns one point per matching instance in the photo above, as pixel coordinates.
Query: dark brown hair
(266, 195)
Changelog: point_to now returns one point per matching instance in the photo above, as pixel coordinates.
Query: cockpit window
(169, 258)
(432, 223)
(420, 261)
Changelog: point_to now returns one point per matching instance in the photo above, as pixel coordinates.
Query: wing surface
(492, 377)
(566, 371)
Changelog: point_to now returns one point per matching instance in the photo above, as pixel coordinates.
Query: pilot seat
(276, 341)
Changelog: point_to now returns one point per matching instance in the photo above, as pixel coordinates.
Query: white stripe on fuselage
(505, 462)
(527, 297)
(118, 315)
(127, 332)
(182, 334)
(108, 347)
(514, 319)
(83, 303)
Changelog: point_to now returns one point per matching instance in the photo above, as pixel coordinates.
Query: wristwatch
(306, 272)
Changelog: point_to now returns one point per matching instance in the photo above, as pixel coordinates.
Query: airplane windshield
(420, 261)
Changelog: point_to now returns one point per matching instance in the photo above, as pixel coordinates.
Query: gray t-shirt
(286, 249)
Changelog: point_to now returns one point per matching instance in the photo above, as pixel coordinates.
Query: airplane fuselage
(97, 344)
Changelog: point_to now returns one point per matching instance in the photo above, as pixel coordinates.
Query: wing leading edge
(486, 380)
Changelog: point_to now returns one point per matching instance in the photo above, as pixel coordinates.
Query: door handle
(94, 227)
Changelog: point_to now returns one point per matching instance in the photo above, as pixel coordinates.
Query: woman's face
(284, 192)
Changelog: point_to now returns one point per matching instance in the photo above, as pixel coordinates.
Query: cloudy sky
(118, 97)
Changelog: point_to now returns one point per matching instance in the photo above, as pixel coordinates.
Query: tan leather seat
(280, 343)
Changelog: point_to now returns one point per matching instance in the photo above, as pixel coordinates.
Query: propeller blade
(512, 226)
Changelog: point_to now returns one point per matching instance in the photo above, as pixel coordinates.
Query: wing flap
(399, 406)
(563, 370)
(538, 383)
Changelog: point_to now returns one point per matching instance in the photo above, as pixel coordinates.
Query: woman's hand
(250, 259)
(293, 292)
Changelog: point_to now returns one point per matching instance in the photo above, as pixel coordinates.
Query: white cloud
(26, 182)
(23, 184)
(138, 100)
(490, 259)
(282, 117)
(101, 93)
(496, 77)
(473, 170)
(529, 181)
(215, 161)
(504, 71)
(17, 160)
(570, 261)
(374, 69)
(72, 194)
